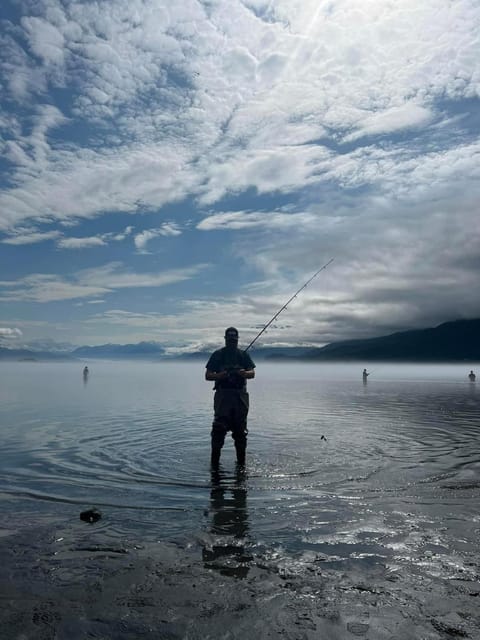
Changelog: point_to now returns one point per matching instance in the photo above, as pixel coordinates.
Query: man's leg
(218, 438)
(241, 450)
(239, 433)
(219, 426)
(239, 436)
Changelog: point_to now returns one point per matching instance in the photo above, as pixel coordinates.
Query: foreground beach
(69, 582)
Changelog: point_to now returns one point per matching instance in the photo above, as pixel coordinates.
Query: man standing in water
(365, 375)
(472, 377)
(230, 368)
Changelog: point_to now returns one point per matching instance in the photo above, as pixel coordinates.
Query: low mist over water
(393, 483)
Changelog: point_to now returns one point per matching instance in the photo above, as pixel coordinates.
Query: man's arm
(215, 375)
(248, 374)
(248, 369)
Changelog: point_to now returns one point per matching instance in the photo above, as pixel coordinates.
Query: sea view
(370, 491)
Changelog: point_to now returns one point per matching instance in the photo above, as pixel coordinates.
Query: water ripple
(329, 460)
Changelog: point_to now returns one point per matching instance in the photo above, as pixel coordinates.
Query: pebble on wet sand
(90, 515)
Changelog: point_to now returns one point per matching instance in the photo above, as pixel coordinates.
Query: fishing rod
(287, 303)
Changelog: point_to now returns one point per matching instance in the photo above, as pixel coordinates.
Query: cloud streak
(238, 220)
(88, 283)
(168, 229)
(30, 237)
(81, 243)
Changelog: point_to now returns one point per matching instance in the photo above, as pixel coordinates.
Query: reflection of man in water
(472, 377)
(228, 506)
(365, 375)
(230, 368)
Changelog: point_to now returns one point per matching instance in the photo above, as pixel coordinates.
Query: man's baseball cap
(231, 332)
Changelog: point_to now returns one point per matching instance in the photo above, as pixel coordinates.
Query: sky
(169, 169)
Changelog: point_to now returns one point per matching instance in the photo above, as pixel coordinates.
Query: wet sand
(71, 581)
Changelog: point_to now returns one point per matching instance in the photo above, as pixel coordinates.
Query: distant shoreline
(450, 342)
(262, 359)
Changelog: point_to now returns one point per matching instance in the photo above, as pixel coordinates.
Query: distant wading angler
(230, 368)
(472, 377)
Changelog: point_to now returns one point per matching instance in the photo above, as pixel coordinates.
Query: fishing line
(287, 303)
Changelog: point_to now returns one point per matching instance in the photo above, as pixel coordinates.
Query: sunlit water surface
(395, 478)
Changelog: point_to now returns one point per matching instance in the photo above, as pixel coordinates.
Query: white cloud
(81, 243)
(394, 119)
(7, 332)
(142, 238)
(251, 89)
(45, 40)
(118, 237)
(88, 242)
(47, 288)
(276, 170)
(167, 229)
(246, 220)
(89, 283)
(170, 229)
(114, 277)
(26, 236)
(82, 183)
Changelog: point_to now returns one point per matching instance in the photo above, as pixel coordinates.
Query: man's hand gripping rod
(287, 303)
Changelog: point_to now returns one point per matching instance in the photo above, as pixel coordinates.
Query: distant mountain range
(150, 350)
(449, 342)
(30, 356)
(457, 341)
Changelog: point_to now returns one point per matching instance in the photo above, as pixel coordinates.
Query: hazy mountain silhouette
(449, 342)
(27, 354)
(149, 350)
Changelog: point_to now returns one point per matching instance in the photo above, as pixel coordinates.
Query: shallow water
(394, 482)
(400, 454)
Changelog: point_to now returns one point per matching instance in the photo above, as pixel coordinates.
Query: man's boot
(215, 459)
(240, 455)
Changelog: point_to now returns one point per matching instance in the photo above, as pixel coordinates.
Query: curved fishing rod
(287, 303)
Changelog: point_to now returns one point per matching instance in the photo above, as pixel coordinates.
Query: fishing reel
(233, 378)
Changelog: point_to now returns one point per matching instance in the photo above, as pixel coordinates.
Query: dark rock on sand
(90, 515)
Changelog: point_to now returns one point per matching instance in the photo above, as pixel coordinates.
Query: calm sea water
(396, 476)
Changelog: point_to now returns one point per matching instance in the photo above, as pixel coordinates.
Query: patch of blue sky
(177, 77)
(464, 114)
(6, 173)
(74, 131)
(42, 315)
(42, 257)
(11, 11)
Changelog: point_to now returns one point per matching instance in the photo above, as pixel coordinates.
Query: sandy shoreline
(72, 581)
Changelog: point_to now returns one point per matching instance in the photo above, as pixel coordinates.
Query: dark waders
(230, 414)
